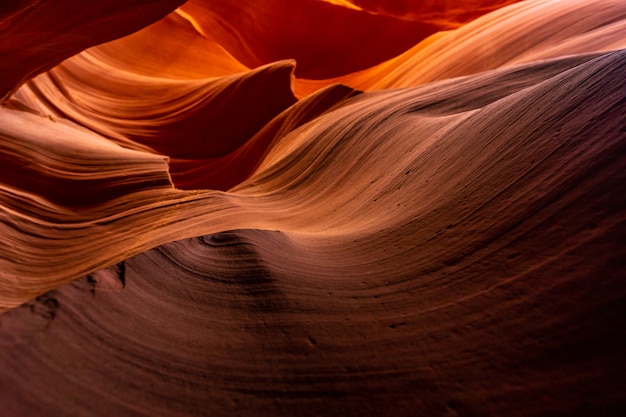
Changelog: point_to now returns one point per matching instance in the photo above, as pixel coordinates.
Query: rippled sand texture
(349, 208)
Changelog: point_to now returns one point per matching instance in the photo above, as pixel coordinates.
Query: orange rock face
(323, 207)
(37, 34)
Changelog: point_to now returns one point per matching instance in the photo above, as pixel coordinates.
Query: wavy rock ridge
(442, 235)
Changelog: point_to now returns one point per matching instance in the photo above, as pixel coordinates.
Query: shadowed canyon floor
(243, 224)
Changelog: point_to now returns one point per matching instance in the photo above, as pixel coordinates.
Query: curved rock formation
(189, 239)
(38, 34)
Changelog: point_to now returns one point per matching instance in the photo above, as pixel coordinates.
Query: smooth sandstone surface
(35, 35)
(251, 208)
